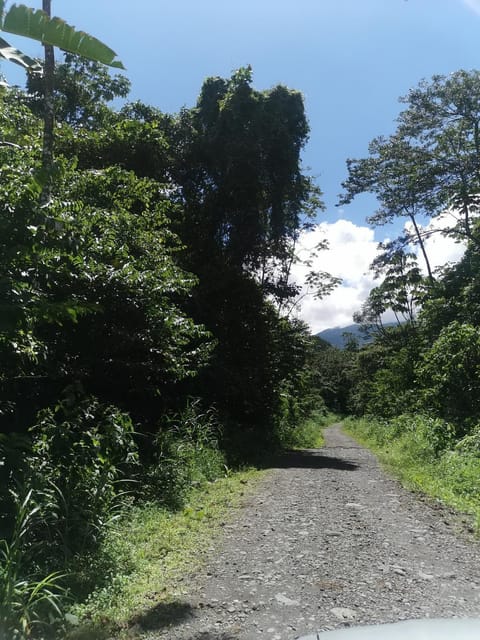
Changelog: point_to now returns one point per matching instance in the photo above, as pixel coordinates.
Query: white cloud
(352, 250)
(474, 5)
(440, 249)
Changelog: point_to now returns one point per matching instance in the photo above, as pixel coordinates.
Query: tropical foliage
(145, 276)
(38, 25)
(416, 385)
(142, 345)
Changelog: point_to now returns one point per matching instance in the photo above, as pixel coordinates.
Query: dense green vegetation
(155, 551)
(417, 384)
(144, 353)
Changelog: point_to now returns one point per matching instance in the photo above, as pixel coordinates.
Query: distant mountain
(336, 338)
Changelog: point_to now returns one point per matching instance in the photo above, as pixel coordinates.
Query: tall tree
(244, 190)
(401, 291)
(442, 119)
(401, 175)
(431, 166)
(82, 90)
(48, 106)
(244, 198)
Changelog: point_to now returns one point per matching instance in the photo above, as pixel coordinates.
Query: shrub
(470, 444)
(186, 452)
(308, 432)
(450, 373)
(82, 453)
(428, 435)
(423, 436)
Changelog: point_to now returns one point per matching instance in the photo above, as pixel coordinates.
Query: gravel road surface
(327, 541)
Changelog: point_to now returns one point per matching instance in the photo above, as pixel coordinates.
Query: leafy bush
(81, 452)
(308, 432)
(460, 471)
(187, 451)
(470, 444)
(429, 436)
(450, 373)
(421, 435)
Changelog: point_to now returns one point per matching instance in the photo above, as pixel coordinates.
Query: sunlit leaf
(25, 21)
(15, 55)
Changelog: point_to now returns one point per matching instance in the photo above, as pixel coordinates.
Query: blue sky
(351, 59)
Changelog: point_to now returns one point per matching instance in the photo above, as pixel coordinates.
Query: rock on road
(328, 540)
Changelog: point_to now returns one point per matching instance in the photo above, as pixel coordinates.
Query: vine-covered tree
(244, 199)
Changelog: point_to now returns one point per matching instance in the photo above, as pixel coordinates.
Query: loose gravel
(328, 540)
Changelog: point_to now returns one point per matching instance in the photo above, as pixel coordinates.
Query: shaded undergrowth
(308, 434)
(156, 551)
(158, 548)
(121, 561)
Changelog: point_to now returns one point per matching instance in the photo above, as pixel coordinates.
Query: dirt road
(328, 540)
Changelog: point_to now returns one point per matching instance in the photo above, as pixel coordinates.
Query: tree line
(143, 272)
(428, 362)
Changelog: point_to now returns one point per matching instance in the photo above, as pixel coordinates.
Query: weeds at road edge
(418, 450)
(159, 549)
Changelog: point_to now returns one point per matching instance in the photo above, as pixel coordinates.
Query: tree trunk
(422, 247)
(49, 112)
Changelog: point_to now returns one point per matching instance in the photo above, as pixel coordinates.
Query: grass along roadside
(159, 550)
(309, 434)
(156, 550)
(406, 447)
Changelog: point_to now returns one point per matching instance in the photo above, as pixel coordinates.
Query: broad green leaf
(15, 55)
(24, 21)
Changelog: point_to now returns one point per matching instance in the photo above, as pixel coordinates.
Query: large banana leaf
(36, 24)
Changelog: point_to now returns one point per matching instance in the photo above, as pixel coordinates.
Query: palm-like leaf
(25, 21)
(15, 55)
(37, 25)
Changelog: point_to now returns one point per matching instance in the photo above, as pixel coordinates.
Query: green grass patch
(309, 433)
(425, 458)
(156, 551)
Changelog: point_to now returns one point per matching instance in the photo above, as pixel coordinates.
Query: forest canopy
(144, 264)
(147, 340)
